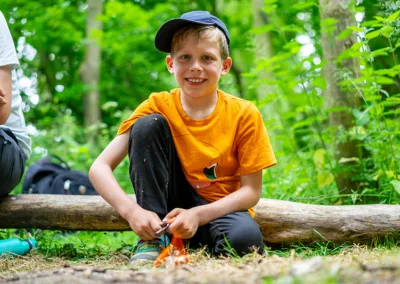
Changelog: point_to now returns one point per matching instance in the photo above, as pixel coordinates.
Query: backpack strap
(61, 161)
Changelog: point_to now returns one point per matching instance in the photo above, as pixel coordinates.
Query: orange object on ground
(173, 255)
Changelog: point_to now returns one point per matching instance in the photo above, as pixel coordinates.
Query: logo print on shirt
(210, 171)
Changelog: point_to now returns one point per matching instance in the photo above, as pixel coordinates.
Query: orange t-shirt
(214, 152)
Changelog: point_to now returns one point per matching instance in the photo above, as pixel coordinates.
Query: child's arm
(187, 221)
(143, 222)
(5, 93)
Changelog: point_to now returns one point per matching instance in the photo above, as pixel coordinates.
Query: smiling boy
(196, 153)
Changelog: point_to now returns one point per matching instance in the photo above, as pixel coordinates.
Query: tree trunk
(266, 86)
(350, 150)
(263, 50)
(218, 6)
(281, 222)
(90, 70)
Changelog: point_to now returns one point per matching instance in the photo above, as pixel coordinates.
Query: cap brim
(166, 32)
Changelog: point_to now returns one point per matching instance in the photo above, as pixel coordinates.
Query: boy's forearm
(107, 186)
(240, 200)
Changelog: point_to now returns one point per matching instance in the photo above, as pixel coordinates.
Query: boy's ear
(170, 64)
(226, 66)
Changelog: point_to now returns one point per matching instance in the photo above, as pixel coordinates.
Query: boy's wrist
(200, 213)
(127, 209)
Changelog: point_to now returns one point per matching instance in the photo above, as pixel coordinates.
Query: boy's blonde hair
(209, 32)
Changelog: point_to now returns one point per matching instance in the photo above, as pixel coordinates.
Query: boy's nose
(195, 66)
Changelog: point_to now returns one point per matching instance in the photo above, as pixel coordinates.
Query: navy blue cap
(166, 32)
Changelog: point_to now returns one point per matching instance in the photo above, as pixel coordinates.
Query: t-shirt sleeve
(8, 55)
(254, 148)
(142, 110)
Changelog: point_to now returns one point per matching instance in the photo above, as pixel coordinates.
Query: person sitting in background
(15, 144)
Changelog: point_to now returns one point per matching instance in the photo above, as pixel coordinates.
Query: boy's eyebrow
(190, 51)
(209, 53)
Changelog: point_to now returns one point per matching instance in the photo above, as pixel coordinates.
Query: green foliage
(305, 144)
(131, 69)
(77, 245)
(66, 138)
(309, 250)
(327, 248)
(229, 249)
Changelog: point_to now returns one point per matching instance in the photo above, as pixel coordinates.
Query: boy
(15, 145)
(196, 153)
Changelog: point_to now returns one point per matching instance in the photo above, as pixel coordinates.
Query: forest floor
(357, 264)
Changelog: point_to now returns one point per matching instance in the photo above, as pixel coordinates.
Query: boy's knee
(6, 189)
(11, 165)
(245, 239)
(10, 177)
(241, 234)
(146, 125)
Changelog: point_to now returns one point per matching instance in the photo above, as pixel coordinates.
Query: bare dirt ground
(355, 265)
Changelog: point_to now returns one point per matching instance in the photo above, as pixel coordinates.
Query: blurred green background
(325, 76)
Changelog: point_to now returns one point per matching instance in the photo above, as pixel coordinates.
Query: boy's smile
(195, 82)
(197, 66)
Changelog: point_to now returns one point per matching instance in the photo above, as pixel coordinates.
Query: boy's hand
(3, 100)
(186, 222)
(144, 223)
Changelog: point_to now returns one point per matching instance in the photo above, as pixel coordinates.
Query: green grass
(339, 262)
(77, 245)
(309, 250)
(326, 248)
(91, 245)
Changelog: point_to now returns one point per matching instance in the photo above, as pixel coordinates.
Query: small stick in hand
(164, 226)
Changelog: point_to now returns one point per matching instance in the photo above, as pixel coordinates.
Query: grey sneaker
(150, 250)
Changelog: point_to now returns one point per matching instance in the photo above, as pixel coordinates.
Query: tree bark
(217, 7)
(281, 222)
(237, 73)
(90, 69)
(334, 96)
(263, 50)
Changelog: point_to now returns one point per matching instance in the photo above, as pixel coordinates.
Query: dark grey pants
(12, 162)
(160, 186)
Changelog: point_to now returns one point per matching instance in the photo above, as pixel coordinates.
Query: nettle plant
(377, 122)
(298, 134)
(304, 142)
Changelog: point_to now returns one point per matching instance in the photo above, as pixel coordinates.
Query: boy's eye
(207, 57)
(185, 56)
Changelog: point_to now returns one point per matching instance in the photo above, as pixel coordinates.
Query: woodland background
(326, 76)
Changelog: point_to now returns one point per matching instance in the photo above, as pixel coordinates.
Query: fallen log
(281, 222)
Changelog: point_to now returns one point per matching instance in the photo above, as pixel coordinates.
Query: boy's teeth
(196, 80)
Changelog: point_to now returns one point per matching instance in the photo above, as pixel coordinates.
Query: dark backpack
(47, 176)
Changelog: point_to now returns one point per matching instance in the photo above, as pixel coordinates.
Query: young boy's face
(197, 66)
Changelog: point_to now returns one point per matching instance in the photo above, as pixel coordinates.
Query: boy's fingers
(172, 214)
(170, 221)
(173, 226)
(148, 234)
(155, 225)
